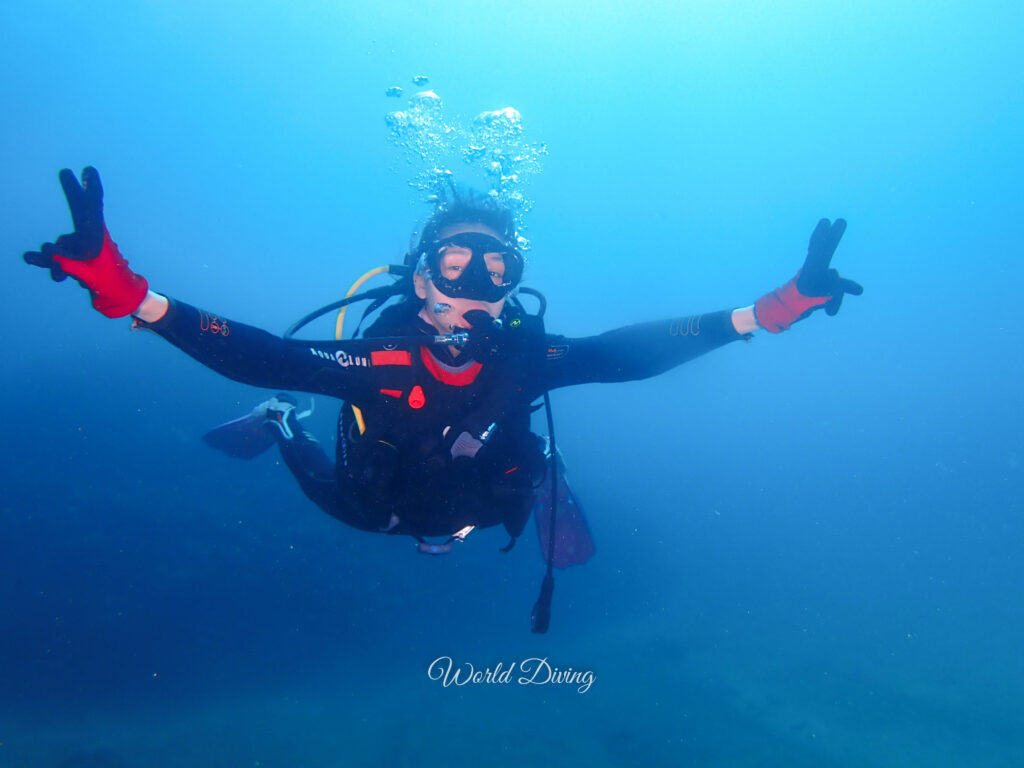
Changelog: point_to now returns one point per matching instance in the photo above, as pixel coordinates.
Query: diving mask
(472, 265)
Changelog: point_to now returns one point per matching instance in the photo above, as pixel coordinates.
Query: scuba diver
(434, 435)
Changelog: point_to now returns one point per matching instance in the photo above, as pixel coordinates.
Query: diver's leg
(302, 454)
(317, 475)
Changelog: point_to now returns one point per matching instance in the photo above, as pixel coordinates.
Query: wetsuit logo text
(685, 326)
(345, 360)
(213, 324)
(341, 358)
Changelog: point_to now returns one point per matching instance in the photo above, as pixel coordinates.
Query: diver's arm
(641, 351)
(247, 354)
(638, 351)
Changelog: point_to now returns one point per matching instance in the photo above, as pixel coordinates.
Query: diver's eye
(453, 261)
(495, 267)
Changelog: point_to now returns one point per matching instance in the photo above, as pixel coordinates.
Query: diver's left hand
(816, 285)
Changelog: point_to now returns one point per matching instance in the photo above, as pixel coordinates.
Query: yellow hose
(340, 324)
(351, 292)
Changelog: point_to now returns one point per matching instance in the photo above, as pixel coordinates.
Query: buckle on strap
(425, 547)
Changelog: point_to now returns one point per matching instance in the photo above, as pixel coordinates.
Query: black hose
(541, 616)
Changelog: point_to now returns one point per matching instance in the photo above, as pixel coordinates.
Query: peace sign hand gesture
(88, 254)
(816, 278)
(816, 285)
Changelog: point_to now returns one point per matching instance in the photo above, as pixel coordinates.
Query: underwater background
(809, 546)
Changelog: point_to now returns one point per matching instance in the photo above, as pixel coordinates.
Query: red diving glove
(88, 254)
(815, 285)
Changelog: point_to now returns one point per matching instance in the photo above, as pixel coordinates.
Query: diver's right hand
(486, 337)
(88, 254)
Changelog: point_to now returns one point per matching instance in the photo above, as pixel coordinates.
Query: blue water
(808, 546)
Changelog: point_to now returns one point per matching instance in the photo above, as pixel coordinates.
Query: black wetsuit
(411, 401)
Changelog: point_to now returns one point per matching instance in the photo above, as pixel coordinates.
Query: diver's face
(446, 313)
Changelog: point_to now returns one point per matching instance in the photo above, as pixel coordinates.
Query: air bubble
(493, 144)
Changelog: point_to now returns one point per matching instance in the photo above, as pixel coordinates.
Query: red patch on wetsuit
(392, 392)
(454, 378)
(390, 357)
